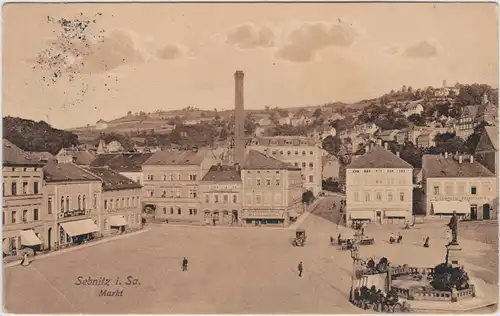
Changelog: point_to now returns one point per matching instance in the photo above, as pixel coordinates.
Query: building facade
(331, 167)
(171, 184)
(72, 198)
(458, 183)
(487, 149)
(126, 164)
(272, 190)
(121, 205)
(22, 200)
(379, 188)
(220, 192)
(301, 152)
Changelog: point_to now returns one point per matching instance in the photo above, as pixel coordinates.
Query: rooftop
(112, 180)
(174, 157)
(63, 172)
(256, 160)
(437, 166)
(13, 155)
(492, 132)
(221, 173)
(280, 140)
(122, 162)
(379, 157)
(81, 157)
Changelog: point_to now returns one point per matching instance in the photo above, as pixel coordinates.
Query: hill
(36, 136)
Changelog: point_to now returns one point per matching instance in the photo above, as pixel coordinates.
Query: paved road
(329, 208)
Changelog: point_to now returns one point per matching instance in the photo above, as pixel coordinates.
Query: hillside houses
(414, 107)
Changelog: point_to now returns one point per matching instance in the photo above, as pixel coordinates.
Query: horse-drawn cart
(300, 237)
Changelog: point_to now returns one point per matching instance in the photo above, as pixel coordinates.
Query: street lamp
(355, 259)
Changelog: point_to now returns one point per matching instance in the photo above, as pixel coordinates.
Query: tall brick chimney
(239, 118)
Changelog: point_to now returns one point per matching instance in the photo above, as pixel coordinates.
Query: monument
(453, 248)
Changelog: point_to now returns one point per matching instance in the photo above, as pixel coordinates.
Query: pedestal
(453, 254)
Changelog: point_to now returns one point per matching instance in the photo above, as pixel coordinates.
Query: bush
(445, 278)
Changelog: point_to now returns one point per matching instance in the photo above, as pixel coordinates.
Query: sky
(163, 56)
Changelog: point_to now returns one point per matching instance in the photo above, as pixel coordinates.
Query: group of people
(393, 239)
(372, 297)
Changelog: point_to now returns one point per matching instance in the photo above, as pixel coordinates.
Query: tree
(473, 94)
(307, 197)
(317, 113)
(417, 119)
(332, 144)
(129, 113)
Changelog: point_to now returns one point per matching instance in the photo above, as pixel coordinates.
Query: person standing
(26, 261)
(426, 243)
(301, 268)
(184, 264)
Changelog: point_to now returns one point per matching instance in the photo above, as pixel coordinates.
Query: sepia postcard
(250, 158)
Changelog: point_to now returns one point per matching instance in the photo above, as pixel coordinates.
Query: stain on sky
(63, 59)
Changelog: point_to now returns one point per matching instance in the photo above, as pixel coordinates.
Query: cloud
(392, 50)
(248, 36)
(422, 50)
(170, 52)
(305, 41)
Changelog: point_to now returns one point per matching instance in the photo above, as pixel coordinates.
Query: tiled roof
(43, 156)
(280, 141)
(62, 172)
(379, 157)
(492, 132)
(256, 160)
(122, 162)
(470, 110)
(222, 173)
(437, 166)
(173, 157)
(81, 157)
(15, 156)
(112, 180)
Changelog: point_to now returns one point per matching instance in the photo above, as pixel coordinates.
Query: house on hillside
(82, 158)
(264, 122)
(426, 139)
(113, 147)
(414, 107)
(487, 149)
(388, 135)
(101, 124)
(466, 122)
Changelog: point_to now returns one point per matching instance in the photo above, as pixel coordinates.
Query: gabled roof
(113, 181)
(492, 133)
(379, 157)
(437, 166)
(173, 158)
(222, 173)
(15, 156)
(64, 172)
(121, 162)
(470, 110)
(256, 160)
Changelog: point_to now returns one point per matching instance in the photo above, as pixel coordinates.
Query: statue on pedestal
(453, 225)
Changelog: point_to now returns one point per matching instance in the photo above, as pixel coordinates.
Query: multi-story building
(413, 107)
(487, 149)
(466, 122)
(426, 139)
(272, 190)
(388, 135)
(75, 155)
(120, 205)
(379, 188)
(126, 164)
(22, 200)
(220, 192)
(72, 197)
(458, 183)
(302, 152)
(171, 183)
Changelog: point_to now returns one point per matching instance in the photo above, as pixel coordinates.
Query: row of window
(289, 153)
(378, 196)
(121, 203)
(304, 165)
(178, 210)
(384, 181)
(26, 217)
(66, 203)
(225, 198)
(24, 189)
(266, 182)
(380, 170)
(131, 219)
(460, 189)
(215, 214)
(25, 169)
(287, 142)
(173, 193)
(267, 198)
(173, 177)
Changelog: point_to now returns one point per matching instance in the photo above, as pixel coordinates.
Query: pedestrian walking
(400, 238)
(26, 261)
(301, 268)
(184, 264)
(426, 243)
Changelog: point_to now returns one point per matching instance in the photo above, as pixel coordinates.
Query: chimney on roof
(460, 159)
(397, 153)
(239, 117)
(471, 158)
(446, 155)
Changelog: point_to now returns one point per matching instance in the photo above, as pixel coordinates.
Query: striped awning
(447, 207)
(29, 238)
(77, 228)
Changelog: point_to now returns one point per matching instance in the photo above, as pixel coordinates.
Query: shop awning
(29, 238)
(117, 220)
(447, 207)
(361, 214)
(396, 213)
(76, 228)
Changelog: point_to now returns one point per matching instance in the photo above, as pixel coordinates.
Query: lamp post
(355, 259)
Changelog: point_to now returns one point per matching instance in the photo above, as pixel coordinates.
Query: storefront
(446, 208)
(29, 239)
(265, 217)
(118, 223)
(77, 232)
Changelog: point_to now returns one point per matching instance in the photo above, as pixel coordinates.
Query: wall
(135, 176)
(126, 203)
(25, 204)
(459, 189)
(379, 189)
(219, 200)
